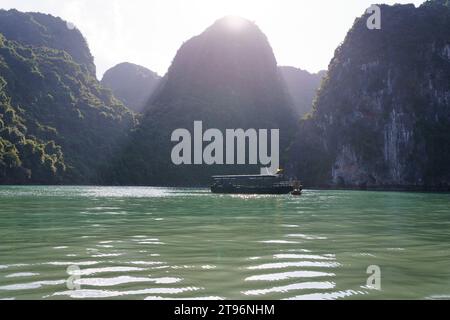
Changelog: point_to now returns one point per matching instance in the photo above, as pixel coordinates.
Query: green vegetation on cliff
(43, 30)
(57, 123)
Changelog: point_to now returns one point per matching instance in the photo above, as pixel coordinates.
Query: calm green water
(137, 243)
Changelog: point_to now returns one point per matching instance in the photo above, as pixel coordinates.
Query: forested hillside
(57, 123)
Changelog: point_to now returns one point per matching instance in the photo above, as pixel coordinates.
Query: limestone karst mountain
(380, 119)
(57, 123)
(226, 77)
(131, 84)
(302, 86)
(382, 116)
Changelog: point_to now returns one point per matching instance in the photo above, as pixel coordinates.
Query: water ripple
(106, 282)
(289, 275)
(281, 265)
(302, 256)
(279, 241)
(290, 287)
(21, 274)
(91, 293)
(91, 271)
(327, 295)
(31, 285)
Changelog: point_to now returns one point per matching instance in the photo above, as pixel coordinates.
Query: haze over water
(153, 243)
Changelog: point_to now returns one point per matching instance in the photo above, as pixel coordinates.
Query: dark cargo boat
(252, 184)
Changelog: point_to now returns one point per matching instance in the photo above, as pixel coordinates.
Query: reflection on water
(162, 243)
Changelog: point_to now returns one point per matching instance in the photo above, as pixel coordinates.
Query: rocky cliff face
(226, 77)
(382, 117)
(132, 84)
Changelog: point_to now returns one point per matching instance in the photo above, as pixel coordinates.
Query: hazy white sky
(303, 33)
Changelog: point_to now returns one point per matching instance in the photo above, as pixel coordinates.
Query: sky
(303, 33)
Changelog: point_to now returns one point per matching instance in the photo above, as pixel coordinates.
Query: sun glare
(236, 8)
(235, 23)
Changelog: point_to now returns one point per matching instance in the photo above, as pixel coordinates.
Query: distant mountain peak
(132, 84)
(302, 87)
(233, 24)
(235, 28)
(219, 66)
(138, 68)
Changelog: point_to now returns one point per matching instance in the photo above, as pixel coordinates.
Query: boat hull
(251, 190)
